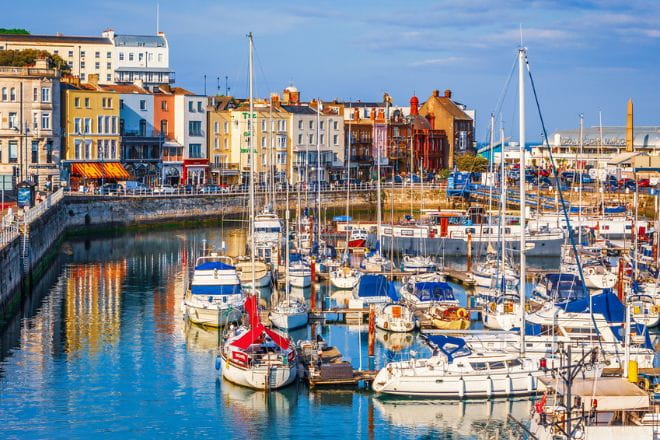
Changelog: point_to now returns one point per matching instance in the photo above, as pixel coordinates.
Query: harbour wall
(25, 258)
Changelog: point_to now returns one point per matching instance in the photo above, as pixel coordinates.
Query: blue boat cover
(293, 258)
(216, 289)
(211, 265)
(606, 304)
(373, 285)
(375, 250)
(392, 292)
(342, 218)
(615, 209)
(441, 342)
(565, 287)
(434, 291)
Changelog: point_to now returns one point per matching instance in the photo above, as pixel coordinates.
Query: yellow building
(223, 170)
(90, 125)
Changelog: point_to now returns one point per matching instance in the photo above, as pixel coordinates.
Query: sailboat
(290, 313)
(345, 277)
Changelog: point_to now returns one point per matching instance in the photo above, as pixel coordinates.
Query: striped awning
(97, 170)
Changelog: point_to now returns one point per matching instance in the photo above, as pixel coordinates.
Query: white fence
(36, 211)
(8, 232)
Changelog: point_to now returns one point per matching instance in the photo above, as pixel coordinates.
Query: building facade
(223, 170)
(30, 132)
(171, 150)
(115, 58)
(448, 116)
(91, 128)
(190, 131)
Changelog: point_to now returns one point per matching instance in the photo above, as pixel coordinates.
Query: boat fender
(385, 325)
(644, 383)
(218, 362)
(489, 386)
(531, 386)
(509, 386)
(461, 387)
(492, 306)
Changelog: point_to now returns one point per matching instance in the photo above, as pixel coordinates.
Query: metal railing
(36, 211)
(8, 231)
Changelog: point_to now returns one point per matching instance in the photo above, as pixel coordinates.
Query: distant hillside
(14, 31)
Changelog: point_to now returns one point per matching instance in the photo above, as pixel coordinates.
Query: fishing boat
(358, 238)
(397, 318)
(418, 264)
(345, 278)
(214, 297)
(257, 357)
(372, 289)
(453, 371)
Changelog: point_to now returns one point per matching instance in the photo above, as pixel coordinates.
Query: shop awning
(97, 170)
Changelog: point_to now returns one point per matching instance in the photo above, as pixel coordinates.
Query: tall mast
(521, 130)
(348, 175)
(318, 172)
(412, 166)
(502, 202)
(600, 154)
(490, 165)
(252, 159)
(579, 167)
(271, 163)
(378, 197)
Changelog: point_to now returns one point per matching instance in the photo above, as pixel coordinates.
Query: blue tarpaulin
(216, 289)
(213, 265)
(564, 287)
(441, 342)
(373, 285)
(392, 292)
(434, 291)
(606, 304)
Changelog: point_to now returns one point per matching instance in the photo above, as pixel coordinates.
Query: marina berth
(418, 264)
(372, 289)
(424, 294)
(397, 318)
(214, 297)
(345, 277)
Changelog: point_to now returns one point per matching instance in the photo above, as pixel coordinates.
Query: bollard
(372, 336)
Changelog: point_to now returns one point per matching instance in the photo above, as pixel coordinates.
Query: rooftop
(140, 41)
(299, 109)
(53, 39)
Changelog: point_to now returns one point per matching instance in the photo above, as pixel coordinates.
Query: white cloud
(438, 61)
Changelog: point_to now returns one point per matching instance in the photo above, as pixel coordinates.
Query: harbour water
(101, 349)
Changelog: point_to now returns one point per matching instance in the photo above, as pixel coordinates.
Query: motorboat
(503, 313)
(424, 294)
(445, 317)
(345, 277)
(267, 236)
(214, 297)
(418, 264)
(453, 371)
(395, 317)
(358, 238)
(257, 357)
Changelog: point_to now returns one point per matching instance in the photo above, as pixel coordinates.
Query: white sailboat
(345, 277)
(396, 317)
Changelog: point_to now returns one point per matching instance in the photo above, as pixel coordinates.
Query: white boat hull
(263, 281)
(340, 282)
(211, 317)
(288, 321)
(262, 377)
(300, 280)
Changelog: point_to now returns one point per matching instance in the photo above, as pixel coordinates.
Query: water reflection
(93, 305)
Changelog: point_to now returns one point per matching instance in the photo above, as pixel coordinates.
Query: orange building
(172, 151)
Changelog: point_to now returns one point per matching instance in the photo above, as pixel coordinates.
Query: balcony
(225, 169)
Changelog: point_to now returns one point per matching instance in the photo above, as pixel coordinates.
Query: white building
(190, 131)
(140, 57)
(115, 58)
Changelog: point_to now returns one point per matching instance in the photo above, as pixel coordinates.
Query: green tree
(14, 31)
(27, 57)
(470, 162)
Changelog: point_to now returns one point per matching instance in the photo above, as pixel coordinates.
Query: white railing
(36, 211)
(8, 232)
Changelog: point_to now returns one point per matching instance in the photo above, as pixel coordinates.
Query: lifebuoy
(492, 306)
(590, 271)
(644, 383)
(462, 313)
(385, 325)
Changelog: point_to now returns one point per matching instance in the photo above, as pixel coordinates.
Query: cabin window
(496, 365)
(478, 366)
(407, 232)
(513, 363)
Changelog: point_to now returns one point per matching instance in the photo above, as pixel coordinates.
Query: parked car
(165, 189)
(110, 189)
(644, 183)
(136, 188)
(210, 189)
(627, 183)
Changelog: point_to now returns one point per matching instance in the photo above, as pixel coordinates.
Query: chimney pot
(436, 93)
(448, 93)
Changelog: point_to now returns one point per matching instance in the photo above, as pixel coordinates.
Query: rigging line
(505, 89)
(561, 198)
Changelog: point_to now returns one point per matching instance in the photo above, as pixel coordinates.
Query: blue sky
(586, 55)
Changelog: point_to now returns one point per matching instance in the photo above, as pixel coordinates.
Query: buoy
(217, 362)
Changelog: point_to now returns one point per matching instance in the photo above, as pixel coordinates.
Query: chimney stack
(414, 106)
(448, 93)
